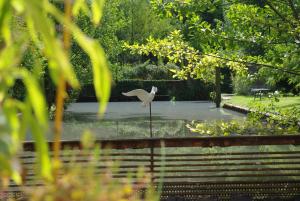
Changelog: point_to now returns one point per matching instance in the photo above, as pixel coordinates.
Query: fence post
(152, 162)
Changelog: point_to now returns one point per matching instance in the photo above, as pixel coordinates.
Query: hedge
(180, 90)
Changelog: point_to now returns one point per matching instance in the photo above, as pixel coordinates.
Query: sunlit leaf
(97, 6)
(24, 22)
(5, 16)
(5, 167)
(11, 115)
(58, 60)
(101, 73)
(36, 98)
(10, 56)
(79, 5)
(41, 147)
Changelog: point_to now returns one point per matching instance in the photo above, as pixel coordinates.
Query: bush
(180, 90)
(18, 90)
(242, 84)
(144, 71)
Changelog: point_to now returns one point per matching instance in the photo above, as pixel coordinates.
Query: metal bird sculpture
(143, 95)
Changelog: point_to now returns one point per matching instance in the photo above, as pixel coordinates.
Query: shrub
(181, 90)
(146, 71)
(242, 84)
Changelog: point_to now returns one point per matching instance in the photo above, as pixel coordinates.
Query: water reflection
(136, 127)
(131, 120)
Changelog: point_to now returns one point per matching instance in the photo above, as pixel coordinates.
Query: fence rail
(184, 142)
(193, 174)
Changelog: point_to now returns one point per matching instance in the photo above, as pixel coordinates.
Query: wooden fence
(236, 166)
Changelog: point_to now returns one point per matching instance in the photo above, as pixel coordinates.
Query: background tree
(260, 34)
(192, 15)
(123, 21)
(175, 50)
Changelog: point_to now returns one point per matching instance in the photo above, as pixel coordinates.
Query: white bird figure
(143, 95)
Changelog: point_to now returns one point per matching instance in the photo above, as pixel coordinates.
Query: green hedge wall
(181, 90)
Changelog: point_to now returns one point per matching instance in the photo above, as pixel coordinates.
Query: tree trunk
(218, 87)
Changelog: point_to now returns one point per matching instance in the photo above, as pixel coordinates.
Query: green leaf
(5, 167)
(41, 25)
(26, 112)
(97, 6)
(36, 98)
(11, 141)
(11, 116)
(5, 16)
(101, 73)
(79, 5)
(41, 147)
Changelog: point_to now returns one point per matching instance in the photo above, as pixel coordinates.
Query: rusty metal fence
(210, 168)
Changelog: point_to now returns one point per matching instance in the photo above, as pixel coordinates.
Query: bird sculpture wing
(140, 93)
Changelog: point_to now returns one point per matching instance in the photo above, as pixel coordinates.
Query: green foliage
(30, 27)
(123, 20)
(260, 34)
(212, 96)
(112, 22)
(143, 22)
(40, 38)
(32, 58)
(280, 116)
(192, 63)
(242, 84)
(274, 29)
(181, 90)
(147, 71)
(262, 120)
(251, 126)
(217, 128)
(82, 182)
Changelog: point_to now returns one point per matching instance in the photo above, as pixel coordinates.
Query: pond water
(131, 120)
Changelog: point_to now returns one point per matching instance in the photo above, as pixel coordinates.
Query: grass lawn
(246, 101)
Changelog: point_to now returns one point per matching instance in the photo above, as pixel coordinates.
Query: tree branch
(256, 64)
(249, 41)
(60, 93)
(277, 12)
(283, 18)
(295, 12)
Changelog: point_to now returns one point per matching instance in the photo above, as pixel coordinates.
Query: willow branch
(61, 93)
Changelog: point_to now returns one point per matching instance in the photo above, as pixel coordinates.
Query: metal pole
(151, 135)
(151, 149)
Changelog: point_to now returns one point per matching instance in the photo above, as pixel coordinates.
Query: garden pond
(131, 120)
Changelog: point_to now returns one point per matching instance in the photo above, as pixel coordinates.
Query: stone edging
(243, 110)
